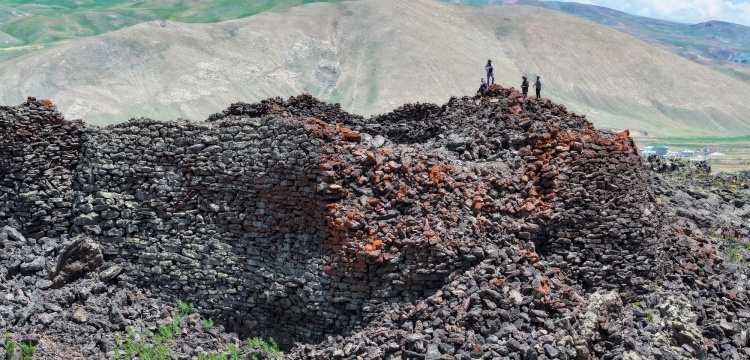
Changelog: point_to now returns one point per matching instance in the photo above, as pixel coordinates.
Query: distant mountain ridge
(370, 56)
(705, 42)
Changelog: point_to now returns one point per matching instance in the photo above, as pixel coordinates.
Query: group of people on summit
(524, 84)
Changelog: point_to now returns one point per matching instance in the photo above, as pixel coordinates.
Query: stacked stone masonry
(493, 227)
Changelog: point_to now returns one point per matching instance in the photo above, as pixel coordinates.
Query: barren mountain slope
(372, 55)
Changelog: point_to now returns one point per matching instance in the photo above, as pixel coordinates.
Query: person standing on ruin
(525, 86)
(490, 72)
(538, 86)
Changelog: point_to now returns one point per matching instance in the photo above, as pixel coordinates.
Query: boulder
(77, 257)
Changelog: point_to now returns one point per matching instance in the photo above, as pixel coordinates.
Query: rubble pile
(488, 227)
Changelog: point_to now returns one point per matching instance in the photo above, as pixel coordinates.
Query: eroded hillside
(372, 56)
(494, 227)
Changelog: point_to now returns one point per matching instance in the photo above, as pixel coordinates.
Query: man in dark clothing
(538, 86)
(525, 86)
(490, 72)
(482, 88)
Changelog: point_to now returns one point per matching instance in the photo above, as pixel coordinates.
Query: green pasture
(44, 23)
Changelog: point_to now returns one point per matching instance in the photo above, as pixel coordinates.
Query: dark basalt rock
(488, 227)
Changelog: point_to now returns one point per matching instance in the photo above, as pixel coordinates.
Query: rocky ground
(493, 228)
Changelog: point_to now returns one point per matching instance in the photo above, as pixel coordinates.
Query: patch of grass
(10, 347)
(212, 356)
(27, 351)
(141, 346)
(185, 308)
(650, 315)
(269, 348)
(638, 304)
(736, 254)
(234, 351)
(706, 140)
(156, 345)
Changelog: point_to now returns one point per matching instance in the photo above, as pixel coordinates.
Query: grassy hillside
(373, 55)
(51, 22)
(712, 42)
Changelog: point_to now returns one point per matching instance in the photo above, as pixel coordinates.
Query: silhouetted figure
(525, 87)
(538, 86)
(490, 72)
(483, 87)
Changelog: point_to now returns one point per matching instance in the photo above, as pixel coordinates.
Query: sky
(689, 11)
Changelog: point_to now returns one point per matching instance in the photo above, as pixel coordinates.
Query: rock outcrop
(493, 227)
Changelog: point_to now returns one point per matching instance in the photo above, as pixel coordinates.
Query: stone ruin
(488, 227)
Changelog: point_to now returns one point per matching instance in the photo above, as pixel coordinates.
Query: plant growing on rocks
(212, 356)
(207, 324)
(234, 351)
(10, 347)
(185, 308)
(147, 346)
(269, 348)
(27, 351)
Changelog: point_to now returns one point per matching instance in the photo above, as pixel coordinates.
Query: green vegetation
(27, 351)
(156, 346)
(638, 304)
(234, 351)
(212, 356)
(24, 22)
(650, 315)
(709, 140)
(148, 346)
(184, 308)
(737, 247)
(269, 348)
(10, 347)
(736, 255)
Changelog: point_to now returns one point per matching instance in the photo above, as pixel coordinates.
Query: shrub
(207, 324)
(650, 316)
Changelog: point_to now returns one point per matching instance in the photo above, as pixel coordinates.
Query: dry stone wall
(39, 154)
(493, 227)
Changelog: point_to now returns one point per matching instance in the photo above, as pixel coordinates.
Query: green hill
(48, 23)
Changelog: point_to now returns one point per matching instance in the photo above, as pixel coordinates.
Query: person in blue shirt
(490, 72)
